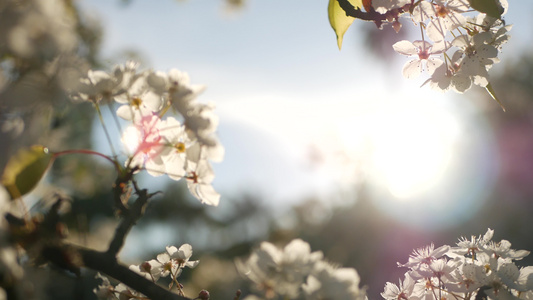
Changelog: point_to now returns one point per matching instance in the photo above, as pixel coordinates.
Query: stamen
(180, 147)
(136, 102)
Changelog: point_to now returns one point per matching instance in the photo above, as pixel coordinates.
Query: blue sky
(285, 93)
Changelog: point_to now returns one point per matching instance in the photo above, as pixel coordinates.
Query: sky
(300, 119)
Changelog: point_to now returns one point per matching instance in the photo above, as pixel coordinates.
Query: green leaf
(491, 92)
(492, 8)
(25, 169)
(338, 19)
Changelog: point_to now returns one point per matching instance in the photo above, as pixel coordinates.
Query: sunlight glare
(412, 149)
(408, 147)
(131, 139)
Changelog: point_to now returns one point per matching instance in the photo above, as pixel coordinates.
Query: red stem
(85, 151)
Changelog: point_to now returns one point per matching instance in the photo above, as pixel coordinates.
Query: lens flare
(131, 139)
(411, 150)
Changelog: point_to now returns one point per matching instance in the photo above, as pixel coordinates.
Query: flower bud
(146, 267)
(203, 295)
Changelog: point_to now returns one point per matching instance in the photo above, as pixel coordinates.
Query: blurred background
(334, 147)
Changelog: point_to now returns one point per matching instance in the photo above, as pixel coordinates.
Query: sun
(412, 150)
(409, 145)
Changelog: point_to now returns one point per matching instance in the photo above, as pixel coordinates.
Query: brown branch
(52, 248)
(372, 15)
(133, 214)
(106, 263)
(351, 11)
(120, 189)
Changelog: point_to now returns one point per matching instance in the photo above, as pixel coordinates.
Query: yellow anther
(180, 147)
(136, 102)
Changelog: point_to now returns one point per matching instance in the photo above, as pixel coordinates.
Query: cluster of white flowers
(180, 148)
(10, 269)
(296, 271)
(170, 263)
(36, 29)
(476, 268)
(458, 45)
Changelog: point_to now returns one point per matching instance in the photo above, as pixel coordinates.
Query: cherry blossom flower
(447, 16)
(424, 256)
(99, 85)
(472, 246)
(424, 51)
(138, 101)
(177, 85)
(126, 293)
(448, 76)
(476, 56)
(174, 260)
(503, 250)
(294, 269)
(439, 268)
(199, 178)
(104, 290)
(143, 141)
(151, 270)
(276, 271)
(175, 142)
(37, 31)
(404, 290)
(477, 268)
(328, 282)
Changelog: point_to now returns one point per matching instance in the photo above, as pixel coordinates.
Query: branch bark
(107, 264)
(351, 11)
(372, 15)
(133, 214)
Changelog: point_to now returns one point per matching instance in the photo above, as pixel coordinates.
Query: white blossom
(424, 53)
(282, 272)
(328, 282)
(199, 178)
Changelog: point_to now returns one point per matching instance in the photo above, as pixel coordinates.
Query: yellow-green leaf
(492, 8)
(338, 19)
(491, 92)
(25, 169)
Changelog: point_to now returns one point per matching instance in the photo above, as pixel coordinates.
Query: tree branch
(351, 11)
(372, 15)
(107, 264)
(133, 214)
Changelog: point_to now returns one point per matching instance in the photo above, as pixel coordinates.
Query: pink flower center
(423, 54)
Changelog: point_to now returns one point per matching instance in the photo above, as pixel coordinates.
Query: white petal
(186, 249)
(432, 64)
(423, 11)
(461, 83)
(171, 250)
(174, 166)
(405, 47)
(205, 193)
(458, 5)
(412, 69)
(461, 41)
(436, 30)
(192, 263)
(152, 101)
(125, 112)
(424, 45)
(155, 167)
(163, 258)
